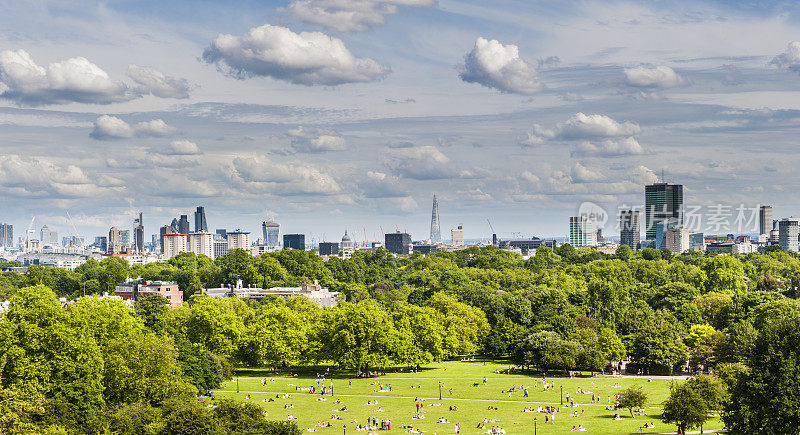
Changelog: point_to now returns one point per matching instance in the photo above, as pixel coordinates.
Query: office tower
(124, 240)
(294, 241)
(788, 231)
(697, 242)
(677, 240)
(166, 229)
(328, 248)
(582, 231)
(183, 224)
(457, 235)
(238, 240)
(629, 229)
(220, 247)
(200, 225)
(102, 243)
(666, 200)
(271, 232)
(48, 236)
(221, 234)
(113, 241)
(436, 234)
(202, 243)
(138, 233)
(174, 227)
(6, 235)
(765, 219)
(155, 242)
(398, 243)
(174, 244)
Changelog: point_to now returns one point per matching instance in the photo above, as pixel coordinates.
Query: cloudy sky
(334, 114)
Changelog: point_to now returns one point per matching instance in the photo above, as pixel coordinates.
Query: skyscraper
(174, 227)
(436, 233)
(113, 245)
(629, 229)
(138, 233)
(765, 219)
(666, 200)
(48, 236)
(398, 243)
(200, 224)
(582, 231)
(124, 239)
(6, 235)
(166, 229)
(271, 230)
(294, 241)
(457, 235)
(788, 230)
(183, 224)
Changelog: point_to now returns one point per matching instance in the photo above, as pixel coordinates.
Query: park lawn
(472, 402)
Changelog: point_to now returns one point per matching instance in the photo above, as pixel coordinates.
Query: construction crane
(30, 228)
(494, 233)
(74, 228)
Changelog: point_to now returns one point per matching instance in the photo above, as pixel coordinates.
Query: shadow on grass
(311, 372)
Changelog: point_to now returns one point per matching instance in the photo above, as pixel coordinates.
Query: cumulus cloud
(609, 148)
(152, 81)
(653, 77)
(72, 80)
(498, 66)
(107, 127)
(307, 58)
(37, 177)
(348, 15)
(181, 148)
(789, 59)
(644, 175)
(582, 126)
(381, 185)
(286, 178)
(314, 140)
(582, 174)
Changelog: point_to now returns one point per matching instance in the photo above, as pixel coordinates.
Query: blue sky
(334, 114)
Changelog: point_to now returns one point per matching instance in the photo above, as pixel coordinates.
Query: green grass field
(473, 403)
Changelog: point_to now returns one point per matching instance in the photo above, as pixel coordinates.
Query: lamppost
(344, 430)
(534, 425)
(440, 390)
(562, 395)
(237, 382)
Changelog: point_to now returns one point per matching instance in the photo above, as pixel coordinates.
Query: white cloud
(107, 127)
(790, 59)
(610, 148)
(498, 66)
(644, 175)
(152, 81)
(285, 178)
(181, 147)
(314, 140)
(582, 126)
(422, 163)
(529, 177)
(653, 77)
(348, 15)
(382, 185)
(307, 58)
(72, 80)
(582, 174)
(37, 177)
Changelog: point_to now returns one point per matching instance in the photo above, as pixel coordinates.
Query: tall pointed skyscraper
(436, 233)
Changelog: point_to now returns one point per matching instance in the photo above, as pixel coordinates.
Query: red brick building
(137, 290)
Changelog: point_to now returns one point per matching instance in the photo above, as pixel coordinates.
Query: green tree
(420, 335)
(152, 309)
(214, 324)
(689, 404)
(611, 345)
(659, 347)
(465, 326)
(632, 398)
(279, 336)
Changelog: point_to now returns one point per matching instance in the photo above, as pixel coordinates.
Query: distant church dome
(347, 242)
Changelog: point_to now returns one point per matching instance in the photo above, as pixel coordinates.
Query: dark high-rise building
(6, 235)
(174, 227)
(166, 229)
(200, 224)
(294, 241)
(221, 234)
(398, 243)
(328, 248)
(138, 234)
(629, 228)
(101, 242)
(765, 219)
(663, 202)
(183, 225)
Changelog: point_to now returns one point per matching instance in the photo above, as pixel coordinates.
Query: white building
(744, 248)
(457, 235)
(677, 240)
(347, 246)
(322, 296)
(788, 230)
(174, 244)
(238, 240)
(202, 243)
(582, 231)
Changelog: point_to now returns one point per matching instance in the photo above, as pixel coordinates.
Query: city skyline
(516, 113)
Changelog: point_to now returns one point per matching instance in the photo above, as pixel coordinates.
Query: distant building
(166, 229)
(663, 223)
(183, 224)
(697, 242)
(221, 234)
(398, 243)
(200, 224)
(765, 219)
(272, 231)
(436, 234)
(677, 240)
(321, 296)
(202, 243)
(663, 198)
(774, 237)
(113, 241)
(102, 243)
(220, 248)
(629, 231)
(582, 231)
(328, 248)
(238, 240)
(294, 241)
(347, 246)
(526, 246)
(134, 290)
(744, 248)
(424, 248)
(124, 239)
(457, 235)
(6, 235)
(138, 233)
(788, 230)
(174, 244)
(48, 236)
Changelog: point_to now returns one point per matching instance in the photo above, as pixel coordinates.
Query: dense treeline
(558, 310)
